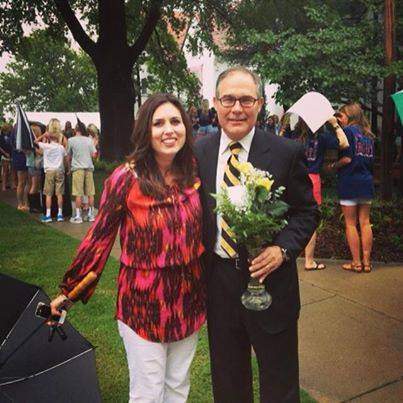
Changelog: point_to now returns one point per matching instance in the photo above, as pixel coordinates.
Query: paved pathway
(351, 329)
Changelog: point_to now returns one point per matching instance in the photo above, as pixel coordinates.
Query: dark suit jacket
(285, 160)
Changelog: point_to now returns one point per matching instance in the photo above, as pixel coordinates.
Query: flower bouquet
(254, 214)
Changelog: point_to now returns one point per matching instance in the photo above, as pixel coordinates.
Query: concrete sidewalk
(351, 329)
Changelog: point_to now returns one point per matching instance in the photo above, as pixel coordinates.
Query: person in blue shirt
(315, 145)
(355, 186)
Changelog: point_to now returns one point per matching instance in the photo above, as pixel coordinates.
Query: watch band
(285, 255)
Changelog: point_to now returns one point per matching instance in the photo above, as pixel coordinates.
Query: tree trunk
(114, 60)
(374, 105)
(116, 107)
(388, 107)
(138, 85)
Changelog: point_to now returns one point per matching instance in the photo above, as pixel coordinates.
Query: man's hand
(269, 260)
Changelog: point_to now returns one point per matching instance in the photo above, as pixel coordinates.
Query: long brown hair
(302, 130)
(356, 116)
(183, 166)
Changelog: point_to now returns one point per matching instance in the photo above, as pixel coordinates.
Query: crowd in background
(40, 177)
(204, 120)
(68, 151)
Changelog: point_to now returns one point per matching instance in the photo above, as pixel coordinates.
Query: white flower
(238, 196)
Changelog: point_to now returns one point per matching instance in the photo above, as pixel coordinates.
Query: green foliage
(327, 211)
(106, 166)
(166, 67)
(335, 49)
(162, 58)
(40, 76)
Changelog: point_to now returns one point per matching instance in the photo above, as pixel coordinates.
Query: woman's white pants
(159, 372)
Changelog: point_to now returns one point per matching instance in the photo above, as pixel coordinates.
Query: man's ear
(215, 102)
(260, 103)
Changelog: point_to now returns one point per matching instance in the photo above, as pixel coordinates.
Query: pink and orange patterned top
(161, 294)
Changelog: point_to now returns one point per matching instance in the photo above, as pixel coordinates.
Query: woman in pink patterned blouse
(154, 200)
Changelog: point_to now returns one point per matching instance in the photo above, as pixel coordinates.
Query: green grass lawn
(39, 254)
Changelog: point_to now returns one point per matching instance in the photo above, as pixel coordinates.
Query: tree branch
(86, 43)
(153, 16)
(163, 50)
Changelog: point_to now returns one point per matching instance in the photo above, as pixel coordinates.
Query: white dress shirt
(223, 155)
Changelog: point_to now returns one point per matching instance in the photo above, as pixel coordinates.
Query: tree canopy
(40, 76)
(118, 35)
(331, 47)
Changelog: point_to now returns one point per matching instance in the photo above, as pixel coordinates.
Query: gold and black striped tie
(231, 178)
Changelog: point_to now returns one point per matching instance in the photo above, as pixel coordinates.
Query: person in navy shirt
(315, 145)
(355, 186)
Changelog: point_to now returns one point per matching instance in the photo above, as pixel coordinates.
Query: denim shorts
(354, 202)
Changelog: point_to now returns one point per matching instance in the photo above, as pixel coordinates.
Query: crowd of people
(40, 176)
(175, 272)
(204, 120)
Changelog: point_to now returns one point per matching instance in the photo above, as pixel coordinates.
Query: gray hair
(241, 69)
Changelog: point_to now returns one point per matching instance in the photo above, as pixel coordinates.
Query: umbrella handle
(83, 284)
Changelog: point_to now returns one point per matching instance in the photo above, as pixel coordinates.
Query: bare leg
(21, 189)
(60, 201)
(78, 201)
(353, 239)
(310, 251)
(91, 201)
(35, 183)
(5, 167)
(48, 202)
(14, 179)
(366, 233)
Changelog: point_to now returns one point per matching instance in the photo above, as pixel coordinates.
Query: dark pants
(232, 332)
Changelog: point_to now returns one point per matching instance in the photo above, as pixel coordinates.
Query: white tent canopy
(85, 117)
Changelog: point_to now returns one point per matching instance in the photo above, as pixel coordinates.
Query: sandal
(352, 267)
(316, 266)
(367, 268)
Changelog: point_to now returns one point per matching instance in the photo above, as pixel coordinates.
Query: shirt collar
(245, 141)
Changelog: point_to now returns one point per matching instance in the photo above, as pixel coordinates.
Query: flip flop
(367, 268)
(317, 266)
(357, 268)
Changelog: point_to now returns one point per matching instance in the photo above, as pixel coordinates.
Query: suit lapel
(259, 155)
(211, 157)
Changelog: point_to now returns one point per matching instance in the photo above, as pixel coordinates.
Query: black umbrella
(24, 137)
(32, 369)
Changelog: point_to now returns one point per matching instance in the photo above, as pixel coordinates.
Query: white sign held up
(314, 108)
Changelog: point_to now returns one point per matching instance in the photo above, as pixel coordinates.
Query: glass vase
(255, 297)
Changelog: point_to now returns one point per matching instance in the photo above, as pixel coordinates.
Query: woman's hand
(330, 168)
(56, 305)
(333, 121)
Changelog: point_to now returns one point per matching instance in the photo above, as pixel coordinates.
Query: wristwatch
(285, 255)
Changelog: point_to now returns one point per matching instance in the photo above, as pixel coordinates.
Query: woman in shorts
(315, 146)
(356, 187)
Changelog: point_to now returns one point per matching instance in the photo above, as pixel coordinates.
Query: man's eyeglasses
(228, 101)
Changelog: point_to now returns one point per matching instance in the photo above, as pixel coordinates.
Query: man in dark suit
(232, 328)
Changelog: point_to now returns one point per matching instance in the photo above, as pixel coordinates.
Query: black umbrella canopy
(32, 369)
